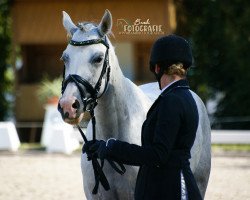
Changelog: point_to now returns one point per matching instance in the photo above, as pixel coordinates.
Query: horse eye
(65, 58)
(98, 59)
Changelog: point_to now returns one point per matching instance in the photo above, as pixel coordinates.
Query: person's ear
(157, 69)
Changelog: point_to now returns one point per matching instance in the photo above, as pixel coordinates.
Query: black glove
(86, 149)
(95, 148)
(99, 149)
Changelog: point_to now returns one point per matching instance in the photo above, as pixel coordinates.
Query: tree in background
(220, 35)
(5, 67)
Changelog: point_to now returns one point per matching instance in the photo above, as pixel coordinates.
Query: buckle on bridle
(89, 104)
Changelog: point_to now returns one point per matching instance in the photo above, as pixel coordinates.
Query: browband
(88, 42)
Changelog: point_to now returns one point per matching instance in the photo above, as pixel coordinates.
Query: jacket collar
(167, 86)
(183, 83)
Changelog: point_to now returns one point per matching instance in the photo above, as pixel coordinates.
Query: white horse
(121, 110)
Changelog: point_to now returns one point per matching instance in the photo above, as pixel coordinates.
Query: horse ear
(105, 25)
(68, 24)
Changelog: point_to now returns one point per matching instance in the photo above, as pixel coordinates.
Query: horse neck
(115, 106)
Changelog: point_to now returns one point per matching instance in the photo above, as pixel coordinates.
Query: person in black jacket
(168, 133)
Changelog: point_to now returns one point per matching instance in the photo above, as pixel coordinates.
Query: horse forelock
(87, 31)
(86, 26)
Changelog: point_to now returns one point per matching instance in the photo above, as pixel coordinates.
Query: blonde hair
(176, 69)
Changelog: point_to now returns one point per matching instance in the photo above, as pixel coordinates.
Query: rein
(89, 104)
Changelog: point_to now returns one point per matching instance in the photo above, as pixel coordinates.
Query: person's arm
(167, 127)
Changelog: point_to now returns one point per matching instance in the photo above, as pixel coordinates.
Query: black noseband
(89, 103)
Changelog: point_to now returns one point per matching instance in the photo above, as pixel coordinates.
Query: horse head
(86, 67)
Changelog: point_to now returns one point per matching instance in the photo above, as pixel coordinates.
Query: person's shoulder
(172, 97)
(174, 93)
(171, 103)
(177, 97)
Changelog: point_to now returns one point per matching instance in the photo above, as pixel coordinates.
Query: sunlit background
(32, 39)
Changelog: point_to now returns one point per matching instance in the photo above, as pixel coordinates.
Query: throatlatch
(89, 104)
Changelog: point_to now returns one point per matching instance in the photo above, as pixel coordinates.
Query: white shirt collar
(167, 86)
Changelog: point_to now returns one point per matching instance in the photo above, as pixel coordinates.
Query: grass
(39, 147)
(32, 146)
(231, 147)
(224, 147)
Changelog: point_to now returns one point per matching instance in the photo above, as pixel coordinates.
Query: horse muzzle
(70, 109)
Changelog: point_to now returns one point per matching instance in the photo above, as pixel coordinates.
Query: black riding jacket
(167, 136)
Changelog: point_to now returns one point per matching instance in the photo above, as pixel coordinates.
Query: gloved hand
(102, 150)
(98, 148)
(86, 149)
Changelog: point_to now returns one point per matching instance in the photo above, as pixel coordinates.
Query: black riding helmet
(170, 49)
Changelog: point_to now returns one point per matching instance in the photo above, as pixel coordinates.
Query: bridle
(89, 104)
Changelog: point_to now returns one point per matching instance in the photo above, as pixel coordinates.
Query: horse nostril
(59, 108)
(76, 104)
(66, 115)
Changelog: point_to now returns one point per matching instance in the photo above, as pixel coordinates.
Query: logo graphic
(138, 27)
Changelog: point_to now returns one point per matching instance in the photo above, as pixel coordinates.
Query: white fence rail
(230, 137)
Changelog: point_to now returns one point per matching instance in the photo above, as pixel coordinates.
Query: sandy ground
(40, 176)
